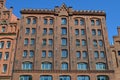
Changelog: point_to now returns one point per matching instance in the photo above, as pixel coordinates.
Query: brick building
(8, 35)
(63, 44)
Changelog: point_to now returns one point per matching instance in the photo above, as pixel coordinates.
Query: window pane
(100, 66)
(43, 54)
(64, 53)
(45, 77)
(64, 78)
(51, 21)
(97, 22)
(25, 53)
(45, 21)
(64, 31)
(4, 68)
(102, 54)
(92, 22)
(3, 29)
(8, 44)
(44, 42)
(50, 31)
(63, 21)
(6, 56)
(96, 55)
(27, 65)
(1, 44)
(28, 20)
(100, 43)
(64, 66)
(0, 55)
(44, 31)
(82, 22)
(102, 78)
(82, 66)
(77, 42)
(34, 21)
(50, 53)
(83, 78)
(25, 77)
(50, 42)
(32, 41)
(82, 32)
(46, 66)
(84, 54)
(76, 22)
(99, 33)
(76, 31)
(95, 43)
(78, 54)
(64, 41)
(31, 53)
(33, 30)
(26, 41)
(93, 32)
(27, 31)
(84, 43)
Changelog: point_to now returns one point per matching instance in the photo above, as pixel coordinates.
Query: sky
(111, 7)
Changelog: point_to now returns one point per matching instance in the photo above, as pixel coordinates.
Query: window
(76, 22)
(82, 32)
(83, 78)
(102, 78)
(31, 53)
(8, 44)
(84, 54)
(78, 54)
(50, 42)
(100, 43)
(93, 32)
(32, 41)
(96, 54)
(46, 66)
(25, 77)
(45, 21)
(64, 53)
(63, 21)
(0, 55)
(94, 43)
(92, 22)
(82, 22)
(3, 29)
(50, 31)
(45, 77)
(99, 33)
(27, 66)
(97, 22)
(34, 21)
(100, 66)
(102, 54)
(26, 41)
(64, 77)
(76, 31)
(1, 44)
(82, 66)
(83, 42)
(64, 31)
(33, 30)
(64, 42)
(6, 56)
(4, 68)
(27, 31)
(25, 53)
(44, 31)
(28, 20)
(51, 21)
(43, 54)
(64, 66)
(44, 42)
(50, 54)
(77, 42)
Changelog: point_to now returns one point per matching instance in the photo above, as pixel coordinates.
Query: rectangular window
(43, 54)
(3, 29)
(44, 31)
(78, 54)
(77, 42)
(51, 21)
(63, 21)
(84, 43)
(100, 43)
(76, 22)
(31, 53)
(28, 20)
(1, 44)
(34, 21)
(6, 56)
(44, 42)
(118, 53)
(50, 31)
(27, 31)
(50, 42)
(93, 32)
(26, 41)
(97, 22)
(64, 53)
(99, 33)
(45, 21)
(64, 42)
(0, 55)
(92, 22)
(8, 44)
(76, 31)
(25, 53)
(102, 54)
(50, 53)
(32, 41)
(4, 68)
(64, 31)
(94, 43)
(33, 30)
(82, 22)
(82, 32)
(96, 54)
(84, 54)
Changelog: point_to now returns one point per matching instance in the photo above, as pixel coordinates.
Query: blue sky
(111, 7)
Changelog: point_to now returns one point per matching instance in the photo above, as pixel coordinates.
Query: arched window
(25, 77)
(64, 66)
(27, 65)
(83, 77)
(82, 66)
(100, 66)
(64, 77)
(45, 77)
(46, 66)
(102, 77)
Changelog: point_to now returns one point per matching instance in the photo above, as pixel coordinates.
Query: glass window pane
(64, 41)
(64, 53)
(63, 21)
(64, 31)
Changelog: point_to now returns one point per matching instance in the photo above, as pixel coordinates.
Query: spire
(63, 5)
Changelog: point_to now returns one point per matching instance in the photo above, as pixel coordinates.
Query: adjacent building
(8, 36)
(63, 44)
